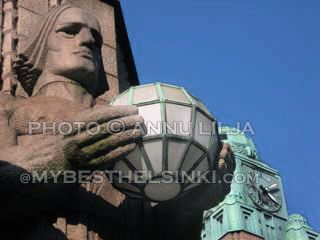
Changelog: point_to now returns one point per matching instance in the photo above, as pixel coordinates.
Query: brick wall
(240, 236)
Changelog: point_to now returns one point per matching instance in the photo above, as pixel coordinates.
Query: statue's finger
(110, 158)
(226, 146)
(223, 153)
(222, 164)
(110, 143)
(116, 126)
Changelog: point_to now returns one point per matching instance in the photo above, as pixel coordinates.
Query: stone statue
(62, 72)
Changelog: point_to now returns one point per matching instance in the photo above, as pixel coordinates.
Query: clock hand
(264, 190)
(273, 198)
(272, 187)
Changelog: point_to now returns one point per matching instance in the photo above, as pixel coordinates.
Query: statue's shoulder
(9, 104)
(49, 103)
(42, 109)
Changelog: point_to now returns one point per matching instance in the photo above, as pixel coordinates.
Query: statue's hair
(31, 61)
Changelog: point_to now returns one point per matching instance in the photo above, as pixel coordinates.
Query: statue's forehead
(78, 15)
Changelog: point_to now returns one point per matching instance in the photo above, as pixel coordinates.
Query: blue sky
(256, 61)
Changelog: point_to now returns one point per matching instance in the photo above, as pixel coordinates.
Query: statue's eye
(69, 31)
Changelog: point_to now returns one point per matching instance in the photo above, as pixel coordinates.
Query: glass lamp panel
(175, 94)
(202, 167)
(145, 94)
(154, 151)
(176, 151)
(122, 184)
(178, 119)
(159, 190)
(193, 155)
(122, 100)
(201, 105)
(152, 118)
(138, 162)
(203, 130)
(123, 170)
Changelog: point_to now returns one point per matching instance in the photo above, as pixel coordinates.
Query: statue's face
(74, 47)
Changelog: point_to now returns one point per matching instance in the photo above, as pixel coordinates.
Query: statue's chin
(72, 66)
(86, 77)
(80, 69)
(84, 65)
(82, 72)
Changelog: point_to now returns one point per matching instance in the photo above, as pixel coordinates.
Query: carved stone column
(8, 43)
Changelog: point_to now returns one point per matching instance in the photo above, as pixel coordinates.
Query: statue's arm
(78, 150)
(73, 152)
(16, 159)
(12, 164)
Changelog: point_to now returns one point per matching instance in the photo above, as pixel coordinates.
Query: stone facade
(19, 22)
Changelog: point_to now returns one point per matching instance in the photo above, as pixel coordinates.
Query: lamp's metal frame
(164, 136)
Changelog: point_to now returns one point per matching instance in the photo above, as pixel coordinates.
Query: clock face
(264, 191)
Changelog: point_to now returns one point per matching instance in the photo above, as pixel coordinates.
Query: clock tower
(256, 207)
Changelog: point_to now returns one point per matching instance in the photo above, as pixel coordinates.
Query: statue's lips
(86, 53)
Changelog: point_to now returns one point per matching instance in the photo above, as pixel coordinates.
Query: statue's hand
(227, 159)
(112, 136)
(211, 194)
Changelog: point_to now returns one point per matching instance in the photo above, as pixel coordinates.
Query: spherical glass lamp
(180, 144)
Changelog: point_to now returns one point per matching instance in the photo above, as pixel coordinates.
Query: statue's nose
(86, 38)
